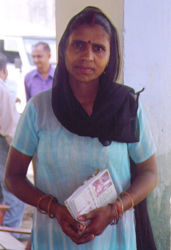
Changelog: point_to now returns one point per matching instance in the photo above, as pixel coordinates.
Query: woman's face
(99, 188)
(87, 53)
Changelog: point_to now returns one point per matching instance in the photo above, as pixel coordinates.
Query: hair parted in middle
(90, 16)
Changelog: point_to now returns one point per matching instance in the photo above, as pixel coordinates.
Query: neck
(2, 76)
(85, 93)
(44, 71)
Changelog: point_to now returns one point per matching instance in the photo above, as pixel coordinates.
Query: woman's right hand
(69, 225)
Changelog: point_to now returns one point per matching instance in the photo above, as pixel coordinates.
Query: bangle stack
(52, 198)
(122, 208)
(119, 211)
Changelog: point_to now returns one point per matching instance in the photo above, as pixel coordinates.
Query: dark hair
(45, 46)
(90, 15)
(3, 61)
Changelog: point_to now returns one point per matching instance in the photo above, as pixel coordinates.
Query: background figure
(40, 79)
(8, 121)
(12, 88)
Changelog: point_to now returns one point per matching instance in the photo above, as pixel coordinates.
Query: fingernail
(79, 232)
(80, 217)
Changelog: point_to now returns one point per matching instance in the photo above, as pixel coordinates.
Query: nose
(88, 54)
(35, 59)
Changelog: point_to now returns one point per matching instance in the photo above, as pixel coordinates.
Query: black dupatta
(114, 116)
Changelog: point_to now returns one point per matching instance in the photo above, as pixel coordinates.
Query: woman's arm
(15, 176)
(145, 182)
(17, 183)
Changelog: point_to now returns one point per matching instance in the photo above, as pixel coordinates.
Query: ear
(5, 72)
(49, 56)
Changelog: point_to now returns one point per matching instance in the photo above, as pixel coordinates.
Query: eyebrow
(81, 41)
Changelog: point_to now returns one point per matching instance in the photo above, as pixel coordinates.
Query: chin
(85, 79)
(39, 67)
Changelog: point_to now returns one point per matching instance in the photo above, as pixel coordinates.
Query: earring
(105, 70)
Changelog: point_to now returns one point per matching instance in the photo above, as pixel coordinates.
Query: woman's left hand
(100, 219)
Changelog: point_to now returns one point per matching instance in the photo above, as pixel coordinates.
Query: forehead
(95, 34)
(39, 50)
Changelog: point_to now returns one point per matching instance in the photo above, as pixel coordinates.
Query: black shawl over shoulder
(144, 234)
(114, 118)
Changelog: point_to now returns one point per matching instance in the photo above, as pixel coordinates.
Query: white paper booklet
(97, 191)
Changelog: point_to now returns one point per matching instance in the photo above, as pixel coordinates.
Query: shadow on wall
(159, 201)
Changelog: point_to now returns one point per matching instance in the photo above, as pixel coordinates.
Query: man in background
(8, 122)
(41, 78)
(12, 87)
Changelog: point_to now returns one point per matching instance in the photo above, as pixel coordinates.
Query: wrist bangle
(122, 208)
(116, 210)
(49, 206)
(38, 203)
(132, 202)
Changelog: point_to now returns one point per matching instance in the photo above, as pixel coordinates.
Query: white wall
(147, 63)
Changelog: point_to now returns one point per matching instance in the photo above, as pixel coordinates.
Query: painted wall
(147, 63)
(66, 9)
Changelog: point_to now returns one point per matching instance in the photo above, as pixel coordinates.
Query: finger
(83, 239)
(74, 230)
(86, 217)
(77, 225)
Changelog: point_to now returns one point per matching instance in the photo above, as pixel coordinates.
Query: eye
(78, 45)
(98, 48)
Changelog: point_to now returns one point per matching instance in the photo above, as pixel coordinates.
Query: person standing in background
(12, 87)
(40, 79)
(8, 121)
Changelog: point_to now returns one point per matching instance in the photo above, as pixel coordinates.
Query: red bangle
(115, 208)
(38, 203)
(118, 208)
(122, 208)
(49, 205)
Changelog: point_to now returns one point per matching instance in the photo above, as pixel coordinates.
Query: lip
(84, 69)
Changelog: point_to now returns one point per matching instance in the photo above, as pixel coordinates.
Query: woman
(85, 122)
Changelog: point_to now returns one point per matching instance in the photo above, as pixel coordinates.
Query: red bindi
(89, 41)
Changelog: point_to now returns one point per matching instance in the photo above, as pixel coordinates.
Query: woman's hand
(100, 219)
(71, 227)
